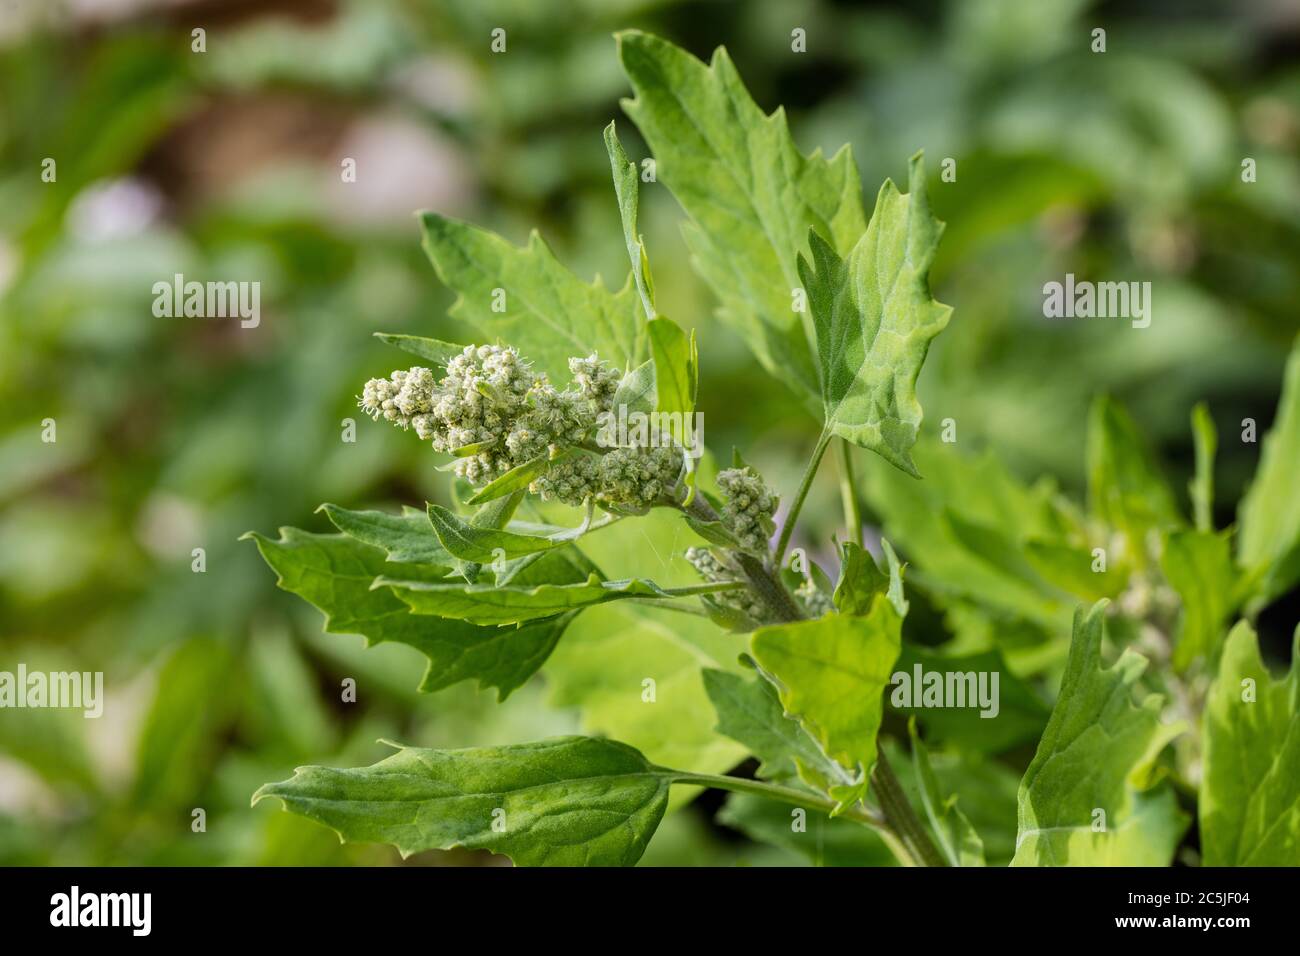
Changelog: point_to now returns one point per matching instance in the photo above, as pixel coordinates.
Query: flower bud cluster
(749, 508)
(814, 600)
(711, 569)
(494, 413)
(632, 478)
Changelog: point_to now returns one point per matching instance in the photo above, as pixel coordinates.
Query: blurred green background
(180, 433)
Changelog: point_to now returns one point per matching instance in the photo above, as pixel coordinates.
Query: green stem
(805, 483)
(849, 493)
(899, 815)
(668, 606)
(789, 795)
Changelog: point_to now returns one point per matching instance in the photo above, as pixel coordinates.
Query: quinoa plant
(805, 668)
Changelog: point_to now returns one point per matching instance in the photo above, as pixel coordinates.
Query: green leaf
(180, 734)
(956, 838)
(874, 318)
(982, 493)
(750, 712)
(335, 573)
(1094, 758)
(1201, 487)
(861, 580)
(1269, 516)
(1125, 487)
(1020, 713)
(1198, 565)
(407, 537)
(627, 189)
(714, 532)
(1250, 802)
(602, 666)
(517, 479)
(676, 362)
(547, 312)
(435, 350)
(636, 391)
(751, 195)
(567, 801)
(831, 674)
(463, 540)
(494, 604)
(824, 841)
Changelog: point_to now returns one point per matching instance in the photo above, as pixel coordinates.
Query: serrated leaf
(1093, 758)
(1250, 799)
(434, 350)
(1198, 565)
(494, 604)
(750, 712)
(548, 313)
(751, 195)
(984, 495)
(955, 837)
(831, 674)
(636, 392)
(874, 319)
(1125, 487)
(407, 537)
(1269, 515)
(568, 801)
(335, 574)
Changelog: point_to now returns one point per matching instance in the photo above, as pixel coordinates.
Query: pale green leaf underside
(335, 573)
(874, 319)
(750, 194)
(1250, 792)
(1093, 757)
(494, 604)
(542, 308)
(568, 801)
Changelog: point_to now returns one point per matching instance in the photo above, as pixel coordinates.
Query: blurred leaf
(1125, 487)
(1094, 759)
(178, 738)
(957, 839)
(1021, 713)
(1269, 515)
(1198, 565)
(1249, 811)
(824, 841)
